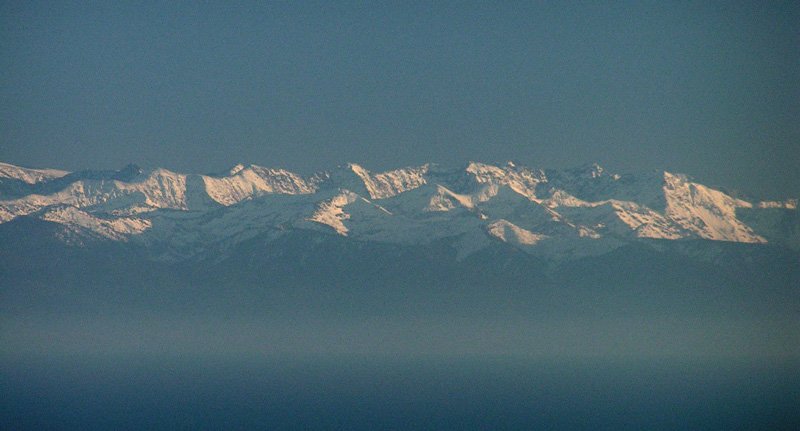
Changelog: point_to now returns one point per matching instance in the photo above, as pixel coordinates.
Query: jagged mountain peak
(127, 173)
(144, 174)
(235, 169)
(355, 167)
(244, 169)
(376, 185)
(590, 170)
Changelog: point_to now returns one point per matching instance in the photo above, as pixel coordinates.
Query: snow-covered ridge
(388, 184)
(29, 176)
(580, 211)
(244, 182)
(789, 204)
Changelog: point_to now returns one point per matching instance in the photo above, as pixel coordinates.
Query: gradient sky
(711, 89)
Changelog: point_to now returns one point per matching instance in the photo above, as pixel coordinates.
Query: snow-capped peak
(705, 212)
(382, 185)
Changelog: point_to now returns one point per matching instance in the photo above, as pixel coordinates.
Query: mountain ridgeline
(494, 228)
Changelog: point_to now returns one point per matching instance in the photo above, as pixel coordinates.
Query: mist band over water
(301, 371)
(766, 338)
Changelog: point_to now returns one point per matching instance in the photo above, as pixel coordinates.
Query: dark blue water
(84, 392)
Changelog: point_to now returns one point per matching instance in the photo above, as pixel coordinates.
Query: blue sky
(711, 89)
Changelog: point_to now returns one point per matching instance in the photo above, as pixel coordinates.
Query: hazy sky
(711, 89)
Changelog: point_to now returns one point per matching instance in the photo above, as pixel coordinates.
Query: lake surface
(372, 392)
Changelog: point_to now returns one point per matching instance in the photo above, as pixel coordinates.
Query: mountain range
(552, 214)
(428, 240)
